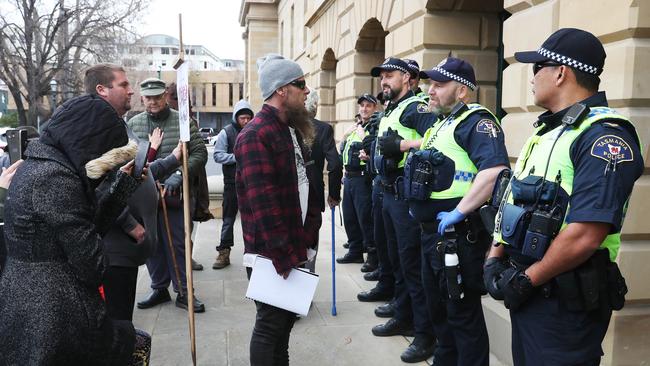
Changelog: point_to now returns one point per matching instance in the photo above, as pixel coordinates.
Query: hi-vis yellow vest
(536, 151)
(392, 120)
(441, 137)
(353, 137)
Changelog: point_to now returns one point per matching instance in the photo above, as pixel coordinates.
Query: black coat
(324, 148)
(51, 312)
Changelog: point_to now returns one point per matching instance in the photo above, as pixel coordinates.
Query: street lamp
(53, 88)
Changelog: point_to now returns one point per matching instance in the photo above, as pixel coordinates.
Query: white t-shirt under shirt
(303, 181)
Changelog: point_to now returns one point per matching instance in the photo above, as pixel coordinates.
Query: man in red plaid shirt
(280, 212)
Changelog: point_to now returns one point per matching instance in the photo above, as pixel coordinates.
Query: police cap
(368, 97)
(414, 67)
(391, 64)
(572, 47)
(450, 69)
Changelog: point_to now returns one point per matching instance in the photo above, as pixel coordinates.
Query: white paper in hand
(294, 294)
(182, 90)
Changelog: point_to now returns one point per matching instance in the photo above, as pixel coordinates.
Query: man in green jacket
(160, 265)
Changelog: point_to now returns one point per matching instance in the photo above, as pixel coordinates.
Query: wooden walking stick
(169, 240)
(182, 85)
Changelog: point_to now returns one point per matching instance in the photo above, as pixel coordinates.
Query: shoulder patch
(612, 148)
(488, 126)
(423, 108)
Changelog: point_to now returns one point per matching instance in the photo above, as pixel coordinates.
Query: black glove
(367, 143)
(492, 270)
(373, 121)
(389, 143)
(174, 183)
(516, 288)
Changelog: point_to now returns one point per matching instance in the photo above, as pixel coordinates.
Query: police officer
(414, 83)
(406, 117)
(466, 149)
(561, 215)
(357, 202)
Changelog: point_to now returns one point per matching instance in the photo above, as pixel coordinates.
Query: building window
(230, 96)
(150, 63)
(149, 51)
(205, 65)
(163, 63)
(203, 98)
(164, 50)
(228, 64)
(174, 51)
(193, 96)
(241, 90)
(214, 94)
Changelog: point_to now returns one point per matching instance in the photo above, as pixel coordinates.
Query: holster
(595, 286)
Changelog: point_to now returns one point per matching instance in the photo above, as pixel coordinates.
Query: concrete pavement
(223, 331)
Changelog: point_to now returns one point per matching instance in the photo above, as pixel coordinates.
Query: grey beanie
(276, 71)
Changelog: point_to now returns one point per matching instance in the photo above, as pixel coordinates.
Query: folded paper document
(294, 293)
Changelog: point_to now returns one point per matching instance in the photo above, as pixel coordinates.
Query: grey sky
(212, 23)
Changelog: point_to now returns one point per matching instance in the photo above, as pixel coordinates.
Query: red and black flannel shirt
(267, 192)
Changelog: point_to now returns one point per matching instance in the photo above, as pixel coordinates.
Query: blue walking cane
(333, 264)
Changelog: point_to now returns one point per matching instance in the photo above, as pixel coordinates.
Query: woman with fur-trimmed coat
(51, 312)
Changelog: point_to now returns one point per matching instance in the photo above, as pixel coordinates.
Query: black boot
(181, 302)
(420, 350)
(372, 276)
(350, 258)
(156, 297)
(371, 263)
(374, 295)
(385, 311)
(393, 327)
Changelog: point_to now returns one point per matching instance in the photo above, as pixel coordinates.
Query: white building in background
(158, 52)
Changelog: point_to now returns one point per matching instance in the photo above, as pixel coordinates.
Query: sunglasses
(540, 65)
(300, 84)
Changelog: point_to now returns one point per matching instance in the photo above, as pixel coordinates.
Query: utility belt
(462, 254)
(355, 173)
(596, 286)
(535, 217)
(425, 172)
(389, 188)
(470, 228)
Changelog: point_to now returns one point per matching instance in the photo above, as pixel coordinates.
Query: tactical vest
(392, 120)
(351, 155)
(441, 137)
(538, 151)
(230, 169)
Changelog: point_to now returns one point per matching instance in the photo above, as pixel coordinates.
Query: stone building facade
(338, 41)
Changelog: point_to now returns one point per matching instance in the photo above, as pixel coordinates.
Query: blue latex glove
(448, 219)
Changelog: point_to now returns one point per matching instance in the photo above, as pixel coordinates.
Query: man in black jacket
(133, 237)
(323, 148)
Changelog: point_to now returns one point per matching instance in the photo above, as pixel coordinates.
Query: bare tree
(45, 40)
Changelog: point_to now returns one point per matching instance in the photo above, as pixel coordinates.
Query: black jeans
(119, 288)
(270, 340)
(229, 210)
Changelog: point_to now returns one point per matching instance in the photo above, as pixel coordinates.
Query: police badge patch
(612, 148)
(487, 126)
(423, 108)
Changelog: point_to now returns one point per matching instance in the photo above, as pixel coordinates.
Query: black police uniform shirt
(485, 147)
(600, 190)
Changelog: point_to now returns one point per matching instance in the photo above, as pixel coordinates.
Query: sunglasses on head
(300, 84)
(540, 65)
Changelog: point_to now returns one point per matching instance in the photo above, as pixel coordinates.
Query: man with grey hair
(280, 216)
(323, 148)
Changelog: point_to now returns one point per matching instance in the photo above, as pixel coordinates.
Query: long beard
(298, 118)
(391, 93)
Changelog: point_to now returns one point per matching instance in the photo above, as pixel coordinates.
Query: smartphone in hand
(140, 159)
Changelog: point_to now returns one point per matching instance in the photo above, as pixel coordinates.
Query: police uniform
(470, 137)
(589, 158)
(409, 117)
(357, 203)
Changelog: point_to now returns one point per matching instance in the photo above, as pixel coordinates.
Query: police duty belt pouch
(427, 171)
(533, 189)
(489, 211)
(544, 227)
(353, 154)
(514, 222)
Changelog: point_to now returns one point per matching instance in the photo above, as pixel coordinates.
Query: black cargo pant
(229, 213)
